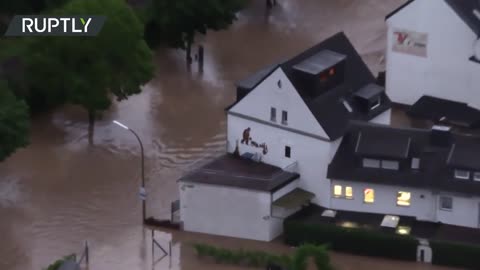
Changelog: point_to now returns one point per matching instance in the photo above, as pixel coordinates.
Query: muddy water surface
(61, 191)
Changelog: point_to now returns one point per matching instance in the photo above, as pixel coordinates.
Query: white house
(291, 117)
(430, 175)
(433, 50)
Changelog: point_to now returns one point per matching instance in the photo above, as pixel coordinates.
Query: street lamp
(142, 189)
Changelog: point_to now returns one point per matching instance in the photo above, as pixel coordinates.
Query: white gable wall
(446, 72)
(267, 94)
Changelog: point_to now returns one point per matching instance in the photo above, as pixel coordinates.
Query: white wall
(386, 200)
(465, 211)
(267, 94)
(225, 211)
(313, 155)
(446, 72)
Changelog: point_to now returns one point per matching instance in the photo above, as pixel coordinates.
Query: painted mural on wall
(410, 42)
(247, 140)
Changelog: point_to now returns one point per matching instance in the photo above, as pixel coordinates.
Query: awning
(294, 199)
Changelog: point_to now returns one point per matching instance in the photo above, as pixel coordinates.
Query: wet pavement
(60, 190)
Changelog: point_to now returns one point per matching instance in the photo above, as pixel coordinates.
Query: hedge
(351, 240)
(262, 259)
(56, 265)
(455, 255)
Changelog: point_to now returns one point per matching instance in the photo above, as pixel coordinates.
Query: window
(369, 195)
(279, 83)
(284, 117)
(273, 114)
(375, 104)
(446, 203)
(390, 164)
(403, 198)
(461, 174)
(476, 176)
(371, 163)
(331, 72)
(349, 192)
(415, 163)
(337, 191)
(287, 151)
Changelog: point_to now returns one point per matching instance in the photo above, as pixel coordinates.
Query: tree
(88, 71)
(14, 122)
(175, 22)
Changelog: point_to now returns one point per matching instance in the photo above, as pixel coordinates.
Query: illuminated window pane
(403, 198)
(337, 191)
(349, 192)
(369, 195)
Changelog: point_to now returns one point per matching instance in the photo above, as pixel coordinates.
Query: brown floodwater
(61, 190)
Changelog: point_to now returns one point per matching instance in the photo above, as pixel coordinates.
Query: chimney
(440, 136)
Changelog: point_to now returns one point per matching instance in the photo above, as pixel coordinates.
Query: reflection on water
(61, 191)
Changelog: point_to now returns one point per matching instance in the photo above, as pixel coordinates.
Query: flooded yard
(61, 190)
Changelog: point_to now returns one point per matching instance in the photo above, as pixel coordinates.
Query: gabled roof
(445, 111)
(463, 8)
(437, 162)
(328, 108)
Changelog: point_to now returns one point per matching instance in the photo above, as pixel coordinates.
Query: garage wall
(225, 211)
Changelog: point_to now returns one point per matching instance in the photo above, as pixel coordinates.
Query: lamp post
(142, 190)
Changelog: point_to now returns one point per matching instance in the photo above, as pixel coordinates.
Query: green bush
(56, 265)
(456, 255)
(261, 259)
(356, 241)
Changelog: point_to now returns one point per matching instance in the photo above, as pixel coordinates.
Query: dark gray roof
(446, 111)
(370, 91)
(256, 78)
(464, 156)
(319, 62)
(233, 171)
(383, 144)
(463, 8)
(435, 172)
(328, 108)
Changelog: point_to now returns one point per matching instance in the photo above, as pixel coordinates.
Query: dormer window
(384, 164)
(369, 97)
(476, 176)
(462, 174)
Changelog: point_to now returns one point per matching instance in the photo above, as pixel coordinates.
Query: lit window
(446, 203)
(349, 192)
(390, 164)
(337, 191)
(415, 163)
(273, 114)
(331, 72)
(403, 230)
(461, 174)
(476, 176)
(371, 163)
(403, 198)
(284, 117)
(369, 195)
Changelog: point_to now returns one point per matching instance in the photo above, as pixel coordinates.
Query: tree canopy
(88, 71)
(174, 23)
(14, 122)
